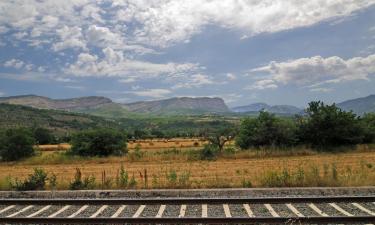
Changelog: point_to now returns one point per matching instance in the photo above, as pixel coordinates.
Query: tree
(101, 142)
(218, 138)
(368, 125)
(266, 130)
(43, 136)
(329, 126)
(16, 144)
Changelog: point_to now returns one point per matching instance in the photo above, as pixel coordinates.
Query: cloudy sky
(245, 51)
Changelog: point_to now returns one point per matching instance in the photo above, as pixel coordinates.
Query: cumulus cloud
(69, 37)
(231, 76)
(152, 93)
(315, 71)
(194, 80)
(114, 64)
(14, 63)
(164, 22)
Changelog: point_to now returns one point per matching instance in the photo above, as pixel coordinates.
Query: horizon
(280, 53)
(195, 97)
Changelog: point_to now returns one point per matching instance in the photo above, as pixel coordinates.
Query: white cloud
(321, 90)
(114, 64)
(161, 23)
(69, 37)
(191, 81)
(2, 94)
(152, 93)
(14, 63)
(262, 84)
(231, 76)
(315, 71)
(103, 37)
(75, 87)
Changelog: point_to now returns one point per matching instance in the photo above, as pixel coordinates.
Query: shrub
(43, 136)
(368, 126)
(123, 177)
(329, 126)
(209, 152)
(266, 130)
(100, 142)
(79, 184)
(35, 181)
(16, 144)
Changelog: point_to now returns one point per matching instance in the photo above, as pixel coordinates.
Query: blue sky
(273, 51)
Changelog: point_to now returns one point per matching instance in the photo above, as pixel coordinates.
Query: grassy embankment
(183, 169)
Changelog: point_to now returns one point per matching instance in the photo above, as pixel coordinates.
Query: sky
(244, 51)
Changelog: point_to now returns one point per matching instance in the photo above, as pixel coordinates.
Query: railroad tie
(271, 210)
(59, 211)
(7, 209)
(317, 210)
(39, 211)
(83, 208)
(21, 211)
(204, 211)
(248, 210)
(161, 211)
(294, 210)
(139, 211)
(100, 210)
(118, 211)
(227, 210)
(182, 211)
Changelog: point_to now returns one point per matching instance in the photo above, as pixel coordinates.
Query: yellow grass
(226, 171)
(144, 144)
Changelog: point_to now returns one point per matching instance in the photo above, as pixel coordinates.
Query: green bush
(329, 126)
(35, 181)
(266, 130)
(43, 136)
(209, 152)
(102, 142)
(368, 126)
(82, 184)
(16, 144)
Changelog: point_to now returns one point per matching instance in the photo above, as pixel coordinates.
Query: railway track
(279, 210)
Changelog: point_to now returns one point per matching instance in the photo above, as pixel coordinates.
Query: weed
(79, 184)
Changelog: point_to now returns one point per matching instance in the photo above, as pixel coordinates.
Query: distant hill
(71, 104)
(184, 105)
(277, 109)
(101, 106)
(58, 122)
(359, 106)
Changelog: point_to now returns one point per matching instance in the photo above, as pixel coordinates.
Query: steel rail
(190, 220)
(153, 201)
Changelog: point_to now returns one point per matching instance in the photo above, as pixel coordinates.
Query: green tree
(329, 126)
(219, 137)
(266, 130)
(16, 144)
(368, 126)
(101, 142)
(43, 136)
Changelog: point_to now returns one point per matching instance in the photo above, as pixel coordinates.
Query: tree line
(322, 127)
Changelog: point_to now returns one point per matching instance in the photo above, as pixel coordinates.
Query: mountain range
(277, 109)
(102, 106)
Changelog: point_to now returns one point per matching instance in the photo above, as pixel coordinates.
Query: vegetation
(35, 181)
(16, 144)
(324, 127)
(43, 136)
(329, 126)
(266, 130)
(101, 142)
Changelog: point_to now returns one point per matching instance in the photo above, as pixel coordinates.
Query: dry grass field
(242, 169)
(145, 144)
